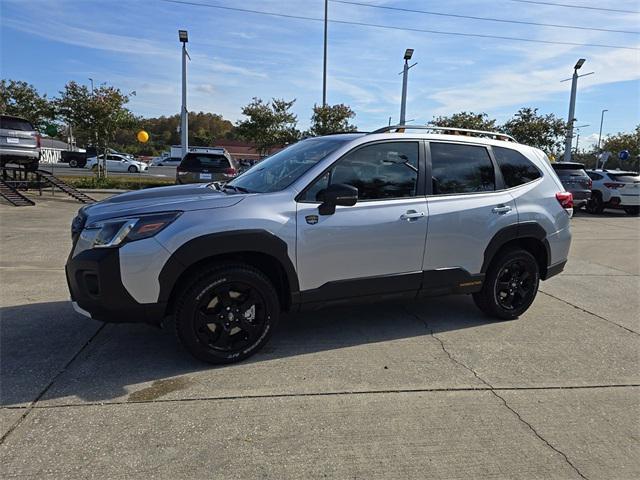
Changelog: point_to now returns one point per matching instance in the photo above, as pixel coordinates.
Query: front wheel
(510, 286)
(73, 163)
(227, 313)
(132, 169)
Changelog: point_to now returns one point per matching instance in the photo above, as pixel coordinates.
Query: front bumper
(97, 291)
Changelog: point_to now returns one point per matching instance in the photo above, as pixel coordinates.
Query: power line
(485, 19)
(406, 29)
(585, 7)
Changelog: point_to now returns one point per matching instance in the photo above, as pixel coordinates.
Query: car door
(114, 163)
(383, 235)
(467, 206)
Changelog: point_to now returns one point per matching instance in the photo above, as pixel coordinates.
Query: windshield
(285, 167)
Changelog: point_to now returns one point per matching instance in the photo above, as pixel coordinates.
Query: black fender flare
(514, 232)
(221, 243)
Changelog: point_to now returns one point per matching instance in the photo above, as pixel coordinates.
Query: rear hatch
(205, 167)
(627, 185)
(573, 176)
(17, 133)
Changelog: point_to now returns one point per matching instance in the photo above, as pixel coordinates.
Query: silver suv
(397, 213)
(19, 142)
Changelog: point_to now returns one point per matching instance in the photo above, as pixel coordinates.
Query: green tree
(269, 124)
(23, 100)
(328, 119)
(470, 120)
(97, 115)
(623, 141)
(546, 132)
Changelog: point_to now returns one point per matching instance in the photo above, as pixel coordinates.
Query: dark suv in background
(19, 142)
(208, 165)
(575, 180)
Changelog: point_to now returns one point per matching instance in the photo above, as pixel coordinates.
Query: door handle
(411, 215)
(500, 209)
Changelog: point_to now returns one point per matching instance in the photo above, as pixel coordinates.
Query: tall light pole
(91, 80)
(600, 134)
(184, 114)
(405, 75)
(324, 69)
(572, 108)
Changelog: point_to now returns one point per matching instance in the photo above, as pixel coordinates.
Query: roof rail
(453, 130)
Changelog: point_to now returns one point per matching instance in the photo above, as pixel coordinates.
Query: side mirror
(334, 195)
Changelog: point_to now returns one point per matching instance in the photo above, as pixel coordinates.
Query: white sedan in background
(118, 163)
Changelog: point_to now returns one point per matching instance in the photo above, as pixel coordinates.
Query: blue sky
(237, 55)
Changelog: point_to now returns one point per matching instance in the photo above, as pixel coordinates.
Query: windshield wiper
(237, 189)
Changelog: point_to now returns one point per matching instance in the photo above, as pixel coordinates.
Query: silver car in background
(19, 142)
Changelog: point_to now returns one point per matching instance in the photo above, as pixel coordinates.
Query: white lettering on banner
(50, 155)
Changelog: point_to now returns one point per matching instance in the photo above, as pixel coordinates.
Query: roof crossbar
(452, 130)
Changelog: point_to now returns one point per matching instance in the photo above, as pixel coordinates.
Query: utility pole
(572, 108)
(184, 114)
(600, 134)
(405, 76)
(324, 70)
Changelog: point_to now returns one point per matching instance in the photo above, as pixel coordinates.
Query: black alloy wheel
(510, 286)
(227, 314)
(595, 203)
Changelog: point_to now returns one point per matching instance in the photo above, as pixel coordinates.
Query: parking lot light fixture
(572, 108)
(184, 116)
(183, 36)
(408, 53)
(579, 64)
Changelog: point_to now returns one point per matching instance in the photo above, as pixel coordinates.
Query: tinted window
(624, 177)
(379, 171)
(15, 124)
(594, 176)
(516, 169)
(461, 169)
(195, 160)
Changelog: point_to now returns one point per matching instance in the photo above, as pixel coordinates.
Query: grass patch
(117, 182)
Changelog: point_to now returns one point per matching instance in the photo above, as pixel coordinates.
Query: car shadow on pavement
(48, 342)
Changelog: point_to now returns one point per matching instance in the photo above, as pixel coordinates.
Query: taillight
(590, 184)
(565, 199)
(230, 172)
(614, 185)
(181, 171)
(38, 141)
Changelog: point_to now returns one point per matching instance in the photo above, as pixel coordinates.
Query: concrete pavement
(429, 389)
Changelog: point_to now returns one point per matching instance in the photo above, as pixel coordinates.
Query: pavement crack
(590, 313)
(492, 390)
(33, 404)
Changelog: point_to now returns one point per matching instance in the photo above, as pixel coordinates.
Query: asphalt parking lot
(429, 389)
(65, 170)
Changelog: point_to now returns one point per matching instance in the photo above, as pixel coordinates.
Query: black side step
(65, 187)
(13, 196)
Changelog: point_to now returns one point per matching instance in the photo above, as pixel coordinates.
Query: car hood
(161, 199)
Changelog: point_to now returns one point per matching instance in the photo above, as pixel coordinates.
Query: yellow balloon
(143, 137)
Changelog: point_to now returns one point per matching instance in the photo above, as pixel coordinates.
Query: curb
(101, 190)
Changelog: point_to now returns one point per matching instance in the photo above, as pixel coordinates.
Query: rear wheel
(510, 286)
(595, 203)
(73, 163)
(633, 210)
(32, 166)
(227, 313)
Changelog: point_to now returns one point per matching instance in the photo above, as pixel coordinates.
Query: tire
(213, 314)
(633, 210)
(73, 163)
(510, 286)
(132, 169)
(32, 166)
(595, 204)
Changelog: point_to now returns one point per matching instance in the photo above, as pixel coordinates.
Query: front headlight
(114, 231)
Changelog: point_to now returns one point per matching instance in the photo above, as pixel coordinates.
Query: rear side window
(194, 160)
(516, 168)
(624, 177)
(594, 176)
(461, 169)
(9, 123)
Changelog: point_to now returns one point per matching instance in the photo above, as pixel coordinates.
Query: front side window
(516, 168)
(461, 169)
(379, 171)
(285, 167)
